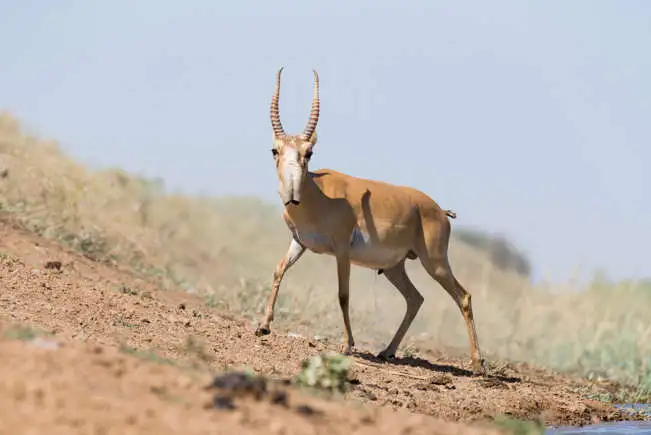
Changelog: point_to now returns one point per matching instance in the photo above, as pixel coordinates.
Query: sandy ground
(124, 357)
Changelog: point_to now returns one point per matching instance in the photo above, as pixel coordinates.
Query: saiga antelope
(368, 223)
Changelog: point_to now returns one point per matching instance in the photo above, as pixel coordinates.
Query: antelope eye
(274, 151)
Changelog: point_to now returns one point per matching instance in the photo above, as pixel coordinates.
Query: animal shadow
(409, 361)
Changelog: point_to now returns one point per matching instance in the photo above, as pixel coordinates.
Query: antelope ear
(313, 139)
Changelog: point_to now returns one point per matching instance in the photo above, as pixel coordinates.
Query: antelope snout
(290, 196)
(290, 185)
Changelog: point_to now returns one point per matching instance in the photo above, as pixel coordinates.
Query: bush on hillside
(502, 253)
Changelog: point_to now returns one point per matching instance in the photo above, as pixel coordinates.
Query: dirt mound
(131, 358)
(72, 388)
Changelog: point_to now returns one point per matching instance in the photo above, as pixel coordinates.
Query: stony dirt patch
(83, 389)
(126, 348)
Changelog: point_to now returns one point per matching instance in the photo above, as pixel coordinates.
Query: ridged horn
(314, 114)
(275, 116)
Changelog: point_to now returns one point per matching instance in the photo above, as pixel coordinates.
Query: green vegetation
(501, 252)
(520, 427)
(328, 371)
(24, 333)
(226, 249)
(146, 355)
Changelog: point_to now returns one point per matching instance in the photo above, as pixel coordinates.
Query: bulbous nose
(290, 178)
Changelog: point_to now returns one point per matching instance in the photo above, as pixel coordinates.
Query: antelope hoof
(262, 330)
(349, 350)
(479, 368)
(386, 355)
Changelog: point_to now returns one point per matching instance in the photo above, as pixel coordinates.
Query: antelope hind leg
(397, 276)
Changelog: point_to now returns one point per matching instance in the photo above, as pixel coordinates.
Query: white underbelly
(363, 251)
(376, 258)
(367, 253)
(315, 242)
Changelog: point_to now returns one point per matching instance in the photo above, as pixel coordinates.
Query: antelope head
(292, 153)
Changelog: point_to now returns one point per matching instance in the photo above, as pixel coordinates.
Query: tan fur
(368, 223)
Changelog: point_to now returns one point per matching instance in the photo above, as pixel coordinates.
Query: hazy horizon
(526, 118)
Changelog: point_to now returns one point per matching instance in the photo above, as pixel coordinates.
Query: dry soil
(118, 355)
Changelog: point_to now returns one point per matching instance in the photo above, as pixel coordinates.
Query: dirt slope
(91, 389)
(127, 358)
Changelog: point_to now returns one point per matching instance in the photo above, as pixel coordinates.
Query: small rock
(240, 383)
(306, 410)
(279, 397)
(56, 265)
(223, 402)
(441, 380)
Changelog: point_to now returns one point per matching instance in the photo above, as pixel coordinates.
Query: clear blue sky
(527, 118)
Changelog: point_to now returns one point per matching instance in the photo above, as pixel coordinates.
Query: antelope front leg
(293, 254)
(343, 274)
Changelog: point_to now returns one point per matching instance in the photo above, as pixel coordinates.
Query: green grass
(147, 355)
(226, 249)
(519, 427)
(24, 333)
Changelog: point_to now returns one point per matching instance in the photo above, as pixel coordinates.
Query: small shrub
(327, 371)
